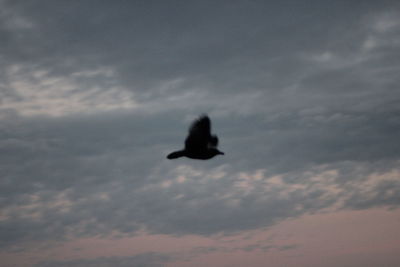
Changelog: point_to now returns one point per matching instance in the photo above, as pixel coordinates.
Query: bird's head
(217, 152)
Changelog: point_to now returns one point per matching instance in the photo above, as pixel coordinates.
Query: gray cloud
(266, 248)
(89, 176)
(150, 259)
(159, 259)
(307, 114)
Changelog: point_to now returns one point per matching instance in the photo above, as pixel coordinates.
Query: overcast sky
(305, 99)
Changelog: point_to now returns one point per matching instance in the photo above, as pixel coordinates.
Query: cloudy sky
(304, 96)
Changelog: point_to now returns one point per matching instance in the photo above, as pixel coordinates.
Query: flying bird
(199, 144)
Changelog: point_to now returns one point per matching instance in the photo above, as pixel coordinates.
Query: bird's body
(198, 154)
(199, 144)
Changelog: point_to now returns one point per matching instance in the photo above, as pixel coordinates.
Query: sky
(303, 95)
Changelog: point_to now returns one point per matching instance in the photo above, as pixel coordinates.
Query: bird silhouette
(199, 144)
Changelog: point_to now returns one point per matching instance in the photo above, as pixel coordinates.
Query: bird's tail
(176, 154)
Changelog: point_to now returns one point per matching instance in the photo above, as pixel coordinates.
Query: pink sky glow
(344, 238)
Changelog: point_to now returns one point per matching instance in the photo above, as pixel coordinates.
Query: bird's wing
(213, 141)
(199, 134)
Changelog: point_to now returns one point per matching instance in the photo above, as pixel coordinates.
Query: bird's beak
(221, 153)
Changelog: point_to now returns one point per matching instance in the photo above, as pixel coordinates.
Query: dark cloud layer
(140, 260)
(79, 179)
(94, 94)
